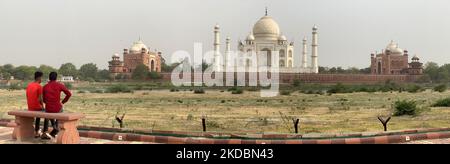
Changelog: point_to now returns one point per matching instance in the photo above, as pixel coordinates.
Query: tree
(45, 69)
(432, 70)
(88, 71)
(8, 68)
(103, 75)
(365, 70)
(24, 72)
(322, 69)
(168, 68)
(140, 73)
(68, 69)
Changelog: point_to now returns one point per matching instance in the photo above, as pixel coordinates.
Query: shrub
(15, 86)
(415, 89)
(98, 91)
(442, 103)
(237, 91)
(173, 90)
(405, 107)
(138, 87)
(81, 91)
(199, 91)
(154, 75)
(285, 92)
(120, 88)
(296, 83)
(232, 89)
(68, 85)
(339, 88)
(440, 88)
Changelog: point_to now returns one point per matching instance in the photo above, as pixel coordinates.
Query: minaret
(227, 53)
(217, 63)
(314, 55)
(304, 55)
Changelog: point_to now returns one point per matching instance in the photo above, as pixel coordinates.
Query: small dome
(217, 27)
(116, 55)
(415, 58)
(138, 46)
(305, 39)
(394, 49)
(250, 37)
(282, 37)
(266, 27)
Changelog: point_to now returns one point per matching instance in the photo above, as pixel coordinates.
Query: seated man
(34, 99)
(53, 103)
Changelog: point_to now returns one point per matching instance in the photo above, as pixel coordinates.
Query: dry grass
(164, 110)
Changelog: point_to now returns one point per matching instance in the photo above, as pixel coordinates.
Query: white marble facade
(266, 38)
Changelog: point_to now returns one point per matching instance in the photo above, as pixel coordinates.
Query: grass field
(247, 112)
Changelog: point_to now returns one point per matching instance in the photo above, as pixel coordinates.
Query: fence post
(204, 123)
(295, 121)
(384, 122)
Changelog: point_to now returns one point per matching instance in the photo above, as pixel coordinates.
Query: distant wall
(288, 78)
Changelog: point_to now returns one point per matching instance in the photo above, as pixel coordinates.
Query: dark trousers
(54, 125)
(37, 123)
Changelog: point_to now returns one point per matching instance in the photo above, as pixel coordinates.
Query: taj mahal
(267, 38)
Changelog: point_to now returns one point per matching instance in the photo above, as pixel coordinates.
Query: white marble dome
(138, 46)
(116, 55)
(394, 49)
(250, 37)
(266, 27)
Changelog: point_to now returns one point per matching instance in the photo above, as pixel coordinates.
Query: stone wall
(288, 78)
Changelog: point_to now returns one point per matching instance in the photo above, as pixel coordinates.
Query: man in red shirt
(34, 99)
(53, 103)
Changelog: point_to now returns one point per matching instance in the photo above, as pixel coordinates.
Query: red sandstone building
(394, 61)
(136, 55)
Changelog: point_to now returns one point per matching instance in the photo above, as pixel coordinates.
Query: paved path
(5, 138)
(436, 141)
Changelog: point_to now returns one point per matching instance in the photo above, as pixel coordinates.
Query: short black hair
(38, 74)
(53, 76)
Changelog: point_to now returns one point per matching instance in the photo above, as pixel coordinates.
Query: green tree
(140, 73)
(323, 69)
(365, 70)
(103, 75)
(88, 71)
(68, 69)
(8, 68)
(45, 69)
(432, 70)
(168, 68)
(24, 72)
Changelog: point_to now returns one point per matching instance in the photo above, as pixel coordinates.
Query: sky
(54, 32)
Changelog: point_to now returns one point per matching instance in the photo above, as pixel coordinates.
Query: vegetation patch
(442, 103)
(405, 107)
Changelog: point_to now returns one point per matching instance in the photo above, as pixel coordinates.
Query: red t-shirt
(34, 91)
(52, 96)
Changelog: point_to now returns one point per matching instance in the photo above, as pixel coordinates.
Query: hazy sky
(53, 32)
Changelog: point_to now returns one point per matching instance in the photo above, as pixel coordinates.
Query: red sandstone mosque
(394, 61)
(138, 54)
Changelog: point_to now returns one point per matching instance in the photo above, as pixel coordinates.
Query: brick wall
(288, 78)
